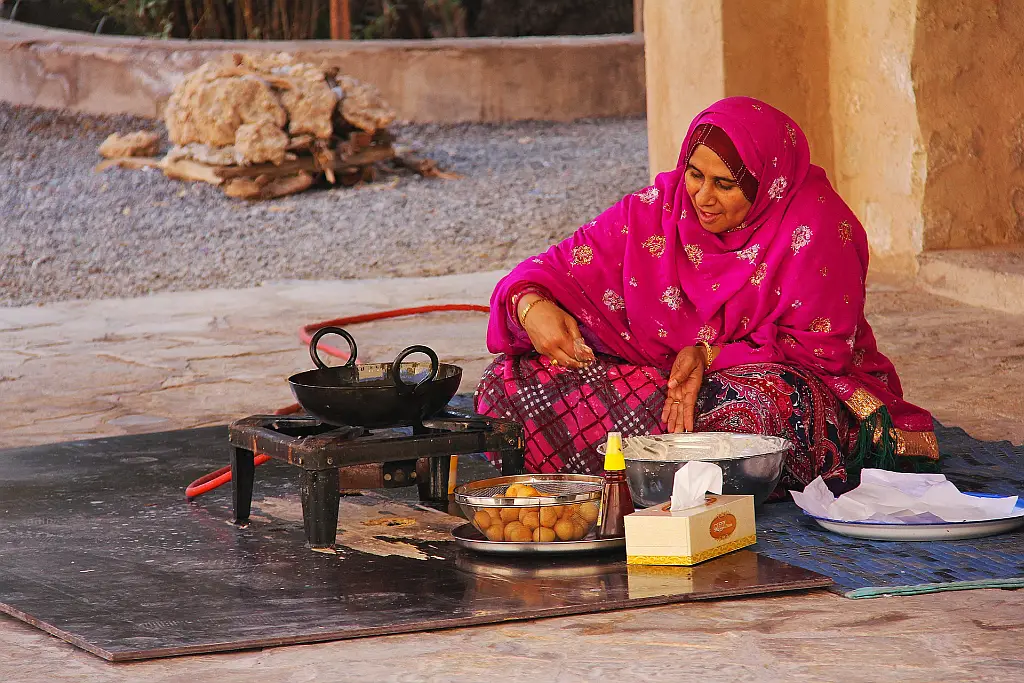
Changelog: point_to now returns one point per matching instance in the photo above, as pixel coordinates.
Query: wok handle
(332, 330)
(396, 368)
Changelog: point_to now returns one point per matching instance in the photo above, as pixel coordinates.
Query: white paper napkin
(902, 498)
(692, 481)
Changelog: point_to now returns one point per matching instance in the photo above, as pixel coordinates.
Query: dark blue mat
(871, 568)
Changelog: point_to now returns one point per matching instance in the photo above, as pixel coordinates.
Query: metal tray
(467, 536)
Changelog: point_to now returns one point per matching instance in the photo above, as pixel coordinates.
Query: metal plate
(467, 536)
(933, 531)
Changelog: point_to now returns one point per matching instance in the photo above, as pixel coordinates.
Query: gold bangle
(529, 306)
(709, 354)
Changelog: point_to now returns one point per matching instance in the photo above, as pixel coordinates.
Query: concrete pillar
(840, 68)
(879, 157)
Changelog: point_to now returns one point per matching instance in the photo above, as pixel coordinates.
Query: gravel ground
(67, 232)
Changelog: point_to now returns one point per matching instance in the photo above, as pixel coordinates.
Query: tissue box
(659, 536)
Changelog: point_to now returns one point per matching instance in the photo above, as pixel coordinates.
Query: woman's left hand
(683, 386)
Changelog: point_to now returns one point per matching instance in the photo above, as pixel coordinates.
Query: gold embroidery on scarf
(790, 132)
(714, 287)
(862, 403)
(824, 271)
(801, 238)
(822, 325)
(845, 232)
(582, 255)
(662, 333)
(917, 444)
(647, 195)
(625, 229)
(758, 275)
(667, 207)
(613, 300)
(695, 254)
(706, 334)
(633, 282)
(656, 245)
(846, 298)
(672, 297)
(745, 322)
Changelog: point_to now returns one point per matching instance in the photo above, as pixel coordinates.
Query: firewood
(185, 169)
(265, 187)
(131, 163)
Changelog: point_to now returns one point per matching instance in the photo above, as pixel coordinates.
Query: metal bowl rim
(464, 496)
(784, 446)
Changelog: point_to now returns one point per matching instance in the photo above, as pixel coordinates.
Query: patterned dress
(567, 414)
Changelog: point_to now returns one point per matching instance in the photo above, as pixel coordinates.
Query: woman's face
(719, 202)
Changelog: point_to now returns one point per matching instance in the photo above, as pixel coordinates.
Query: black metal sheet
(99, 548)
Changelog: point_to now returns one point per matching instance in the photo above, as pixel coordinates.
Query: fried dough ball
(495, 513)
(565, 530)
(548, 516)
(482, 520)
(579, 528)
(543, 535)
(589, 511)
(513, 491)
(530, 518)
(509, 515)
(515, 531)
(495, 532)
(527, 491)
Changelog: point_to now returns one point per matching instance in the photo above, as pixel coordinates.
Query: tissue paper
(901, 498)
(692, 481)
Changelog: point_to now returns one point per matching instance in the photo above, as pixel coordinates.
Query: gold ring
(554, 362)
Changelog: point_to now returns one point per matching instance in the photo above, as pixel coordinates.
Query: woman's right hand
(554, 333)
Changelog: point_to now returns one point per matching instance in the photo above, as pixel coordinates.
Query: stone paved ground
(84, 369)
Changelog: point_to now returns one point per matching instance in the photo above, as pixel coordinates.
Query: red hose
(209, 482)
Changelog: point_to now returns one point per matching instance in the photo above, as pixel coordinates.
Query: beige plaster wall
(685, 71)
(699, 51)
(469, 79)
(879, 155)
(779, 52)
(840, 68)
(968, 65)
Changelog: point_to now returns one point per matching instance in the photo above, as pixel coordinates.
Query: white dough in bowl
(707, 446)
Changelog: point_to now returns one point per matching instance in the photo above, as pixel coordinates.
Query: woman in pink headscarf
(728, 296)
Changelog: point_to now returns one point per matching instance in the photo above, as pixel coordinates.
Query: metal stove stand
(335, 457)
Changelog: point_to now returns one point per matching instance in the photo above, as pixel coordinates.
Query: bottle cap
(613, 459)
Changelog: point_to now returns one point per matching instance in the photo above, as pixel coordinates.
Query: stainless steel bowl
(751, 463)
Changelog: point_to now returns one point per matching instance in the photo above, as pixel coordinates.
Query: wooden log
(186, 169)
(265, 187)
(132, 163)
(368, 156)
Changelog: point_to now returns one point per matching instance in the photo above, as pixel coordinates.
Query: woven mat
(863, 569)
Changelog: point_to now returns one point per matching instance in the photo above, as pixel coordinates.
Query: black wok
(374, 394)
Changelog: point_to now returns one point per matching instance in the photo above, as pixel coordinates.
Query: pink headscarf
(645, 279)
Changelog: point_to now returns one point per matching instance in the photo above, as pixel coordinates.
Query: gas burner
(342, 457)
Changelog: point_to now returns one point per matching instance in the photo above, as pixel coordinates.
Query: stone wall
(445, 81)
